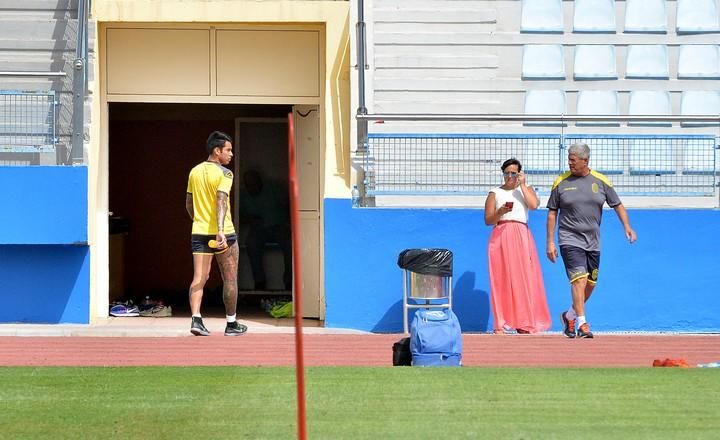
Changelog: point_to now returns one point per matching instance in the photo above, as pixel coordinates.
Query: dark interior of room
(152, 148)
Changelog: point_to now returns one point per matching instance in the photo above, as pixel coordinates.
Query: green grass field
(359, 403)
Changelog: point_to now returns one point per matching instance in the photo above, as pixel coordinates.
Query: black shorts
(580, 263)
(199, 244)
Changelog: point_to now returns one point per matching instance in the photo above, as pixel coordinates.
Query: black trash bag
(427, 261)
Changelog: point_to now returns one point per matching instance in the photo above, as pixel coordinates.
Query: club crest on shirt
(595, 188)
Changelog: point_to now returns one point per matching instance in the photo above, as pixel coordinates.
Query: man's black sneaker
(235, 329)
(584, 331)
(198, 328)
(568, 326)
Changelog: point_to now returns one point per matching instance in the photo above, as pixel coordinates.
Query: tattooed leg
(228, 264)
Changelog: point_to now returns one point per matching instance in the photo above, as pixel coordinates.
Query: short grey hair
(580, 150)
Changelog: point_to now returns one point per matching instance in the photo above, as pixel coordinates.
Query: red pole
(297, 284)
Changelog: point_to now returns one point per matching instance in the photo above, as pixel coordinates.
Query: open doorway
(152, 148)
(262, 206)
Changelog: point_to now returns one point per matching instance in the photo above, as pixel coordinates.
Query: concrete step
(10, 54)
(11, 28)
(444, 85)
(444, 5)
(422, 32)
(24, 14)
(38, 9)
(34, 5)
(37, 84)
(41, 83)
(434, 74)
(436, 51)
(400, 82)
(38, 44)
(397, 36)
(438, 61)
(23, 64)
(28, 63)
(435, 15)
(437, 108)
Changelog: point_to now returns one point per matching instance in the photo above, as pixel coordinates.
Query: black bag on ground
(401, 353)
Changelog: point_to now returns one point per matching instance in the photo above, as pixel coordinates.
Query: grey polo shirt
(580, 201)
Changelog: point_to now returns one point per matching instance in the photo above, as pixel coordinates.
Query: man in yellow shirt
(213, 234)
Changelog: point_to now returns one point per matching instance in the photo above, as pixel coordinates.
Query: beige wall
(326, 22)
(213, 63)
(333, 16)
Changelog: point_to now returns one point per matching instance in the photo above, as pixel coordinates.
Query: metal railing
(674, 164)
(80, 83)
(28, 124)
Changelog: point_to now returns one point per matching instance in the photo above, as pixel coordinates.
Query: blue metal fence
(469, 164)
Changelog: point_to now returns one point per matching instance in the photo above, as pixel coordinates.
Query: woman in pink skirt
(517, 293)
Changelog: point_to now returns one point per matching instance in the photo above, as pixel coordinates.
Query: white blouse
(519, 211)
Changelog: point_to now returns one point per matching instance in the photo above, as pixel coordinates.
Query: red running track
(353, 350)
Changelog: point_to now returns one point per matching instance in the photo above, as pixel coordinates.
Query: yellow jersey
(205, 180)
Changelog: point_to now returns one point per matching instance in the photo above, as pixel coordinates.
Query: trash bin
(427, 279)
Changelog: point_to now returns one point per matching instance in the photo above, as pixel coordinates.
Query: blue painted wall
(43, 205)
(44, 257)
(666, 281)
(45, 284)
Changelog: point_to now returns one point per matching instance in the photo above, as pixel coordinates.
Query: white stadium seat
(701, 61)
(545, 102)
(697, 16)
(541, 16)
(543, 61)
(594, 62)
(597, 102)
(647, 61)
(650, 103)
(645, 16)
(594, 16)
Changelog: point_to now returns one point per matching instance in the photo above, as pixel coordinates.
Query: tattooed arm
(222, 206)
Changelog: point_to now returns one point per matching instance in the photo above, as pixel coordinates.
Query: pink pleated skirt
(517, 292)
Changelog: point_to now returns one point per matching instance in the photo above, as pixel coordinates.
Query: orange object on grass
(667, 362)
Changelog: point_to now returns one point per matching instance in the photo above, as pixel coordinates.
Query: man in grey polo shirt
(579, 195)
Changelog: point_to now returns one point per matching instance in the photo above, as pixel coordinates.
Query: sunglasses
(510, 174)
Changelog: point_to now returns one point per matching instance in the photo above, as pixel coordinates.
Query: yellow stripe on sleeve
(560, 178)
(602, 177)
